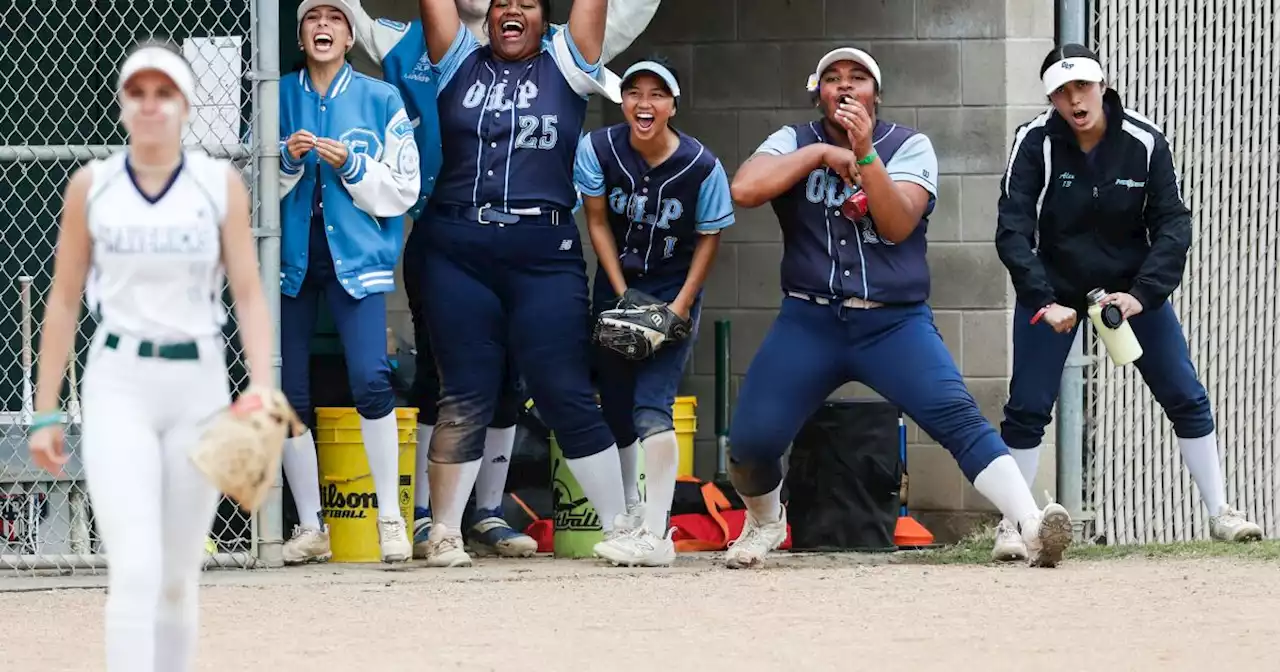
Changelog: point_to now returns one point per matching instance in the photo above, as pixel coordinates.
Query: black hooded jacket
(1114, 220)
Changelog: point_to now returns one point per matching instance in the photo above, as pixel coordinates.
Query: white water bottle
(1117, 336)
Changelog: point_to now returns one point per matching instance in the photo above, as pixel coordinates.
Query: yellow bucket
(685, 415)
(348, 503)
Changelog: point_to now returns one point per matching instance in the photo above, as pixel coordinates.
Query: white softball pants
(153, 508)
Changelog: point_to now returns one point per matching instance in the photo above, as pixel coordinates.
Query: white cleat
(755, 542)
(1009, 546)
(394, 540)
(1048, 538)
(631, 544)
(1231, 525)
(618, 540)
(308, 544)
(445, 548)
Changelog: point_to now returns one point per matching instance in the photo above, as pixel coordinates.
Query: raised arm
(627, 19)
(440, 24)
(1017, 221)
(587, 20)
(776, 166)
(376, 37)
(1169, 228)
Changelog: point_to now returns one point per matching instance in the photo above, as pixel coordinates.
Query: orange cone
(908, 533)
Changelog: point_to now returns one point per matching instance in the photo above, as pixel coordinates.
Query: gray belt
(488, 215)
(851, 302)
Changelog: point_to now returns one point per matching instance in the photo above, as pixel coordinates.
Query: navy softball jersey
(826, 333)
(503, 273)
(656, 214)
(509, 130)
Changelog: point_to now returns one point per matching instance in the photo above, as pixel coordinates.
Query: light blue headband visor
(656, 69)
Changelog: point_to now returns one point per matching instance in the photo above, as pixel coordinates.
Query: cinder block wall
(962, 71)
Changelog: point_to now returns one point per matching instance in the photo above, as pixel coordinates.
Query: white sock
(421, 481)
(382, 449)
(629, 456)
(451, 487)
(1003, 485)
(600, 477)
(661, 466)
(491, 484)
(303, 472)
(1201, 457)
(766, 508)
(1028, 463)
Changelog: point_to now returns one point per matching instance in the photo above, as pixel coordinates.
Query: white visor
(161, 60)
(844, 54)
(1076, 69)
(340, 5)
(656, 69)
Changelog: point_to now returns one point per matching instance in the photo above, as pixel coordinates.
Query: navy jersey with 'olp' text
(509, 130)
(656, 213)
(827, 255)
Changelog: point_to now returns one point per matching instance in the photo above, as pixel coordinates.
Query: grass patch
(976, 550)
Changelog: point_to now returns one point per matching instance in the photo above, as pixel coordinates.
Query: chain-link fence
(58, 111)
(1207, 73)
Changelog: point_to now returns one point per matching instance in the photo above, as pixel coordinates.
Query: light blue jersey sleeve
(587, 173)
(916, 162)
(592, 69)
(715, 206)
(783, 141)
(462, 46)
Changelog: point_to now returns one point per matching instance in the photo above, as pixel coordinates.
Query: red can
(855, 207)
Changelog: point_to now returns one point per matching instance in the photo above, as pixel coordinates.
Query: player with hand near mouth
(856, 287)
(349, 172)
(401, 49)
(656, 200)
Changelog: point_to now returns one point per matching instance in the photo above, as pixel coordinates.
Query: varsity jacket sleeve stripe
(290, 171)
(1021, 190)
(386, 186)
(1168, 223)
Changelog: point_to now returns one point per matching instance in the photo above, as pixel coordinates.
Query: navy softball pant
(1039, 354)
(812, 349)
(425, 391)
(497, 291)
(362, 328)
(637, 396)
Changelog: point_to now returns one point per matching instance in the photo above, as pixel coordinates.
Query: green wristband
(866, 160)
(48, 419)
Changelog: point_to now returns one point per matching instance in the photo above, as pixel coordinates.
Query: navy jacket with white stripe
(1114, 219)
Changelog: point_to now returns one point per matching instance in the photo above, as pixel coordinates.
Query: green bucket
(577, 525)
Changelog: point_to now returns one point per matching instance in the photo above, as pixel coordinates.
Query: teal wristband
(866, 160)
(48, 419)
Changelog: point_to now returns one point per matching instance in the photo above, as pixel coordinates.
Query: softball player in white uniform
(153, 229)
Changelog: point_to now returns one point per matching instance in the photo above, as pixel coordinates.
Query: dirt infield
(801, 613)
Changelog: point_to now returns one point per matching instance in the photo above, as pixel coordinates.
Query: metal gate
(1207, 73)
(57, 111)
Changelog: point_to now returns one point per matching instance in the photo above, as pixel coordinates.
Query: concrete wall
(962, 71)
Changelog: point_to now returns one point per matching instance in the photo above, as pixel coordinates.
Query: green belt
(177, 351)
